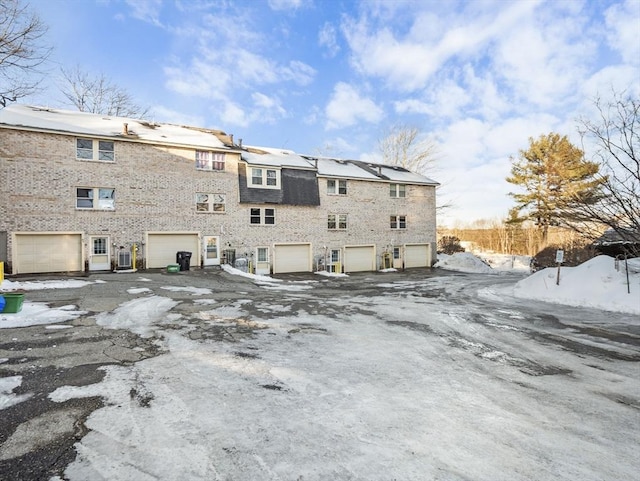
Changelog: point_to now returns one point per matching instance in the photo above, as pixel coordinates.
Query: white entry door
(99, 253)
(211, 250)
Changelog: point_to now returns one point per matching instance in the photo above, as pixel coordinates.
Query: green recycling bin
(12, 302)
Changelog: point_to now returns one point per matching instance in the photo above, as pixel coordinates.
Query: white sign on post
(559, 259)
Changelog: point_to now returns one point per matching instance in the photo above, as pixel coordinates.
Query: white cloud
(164, 114)
(285, 4)
(347, 107)
(146, 10)
(624, 30)
(327, 37)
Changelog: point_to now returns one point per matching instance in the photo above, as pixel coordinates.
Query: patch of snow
(196, 291)
(7, 285)
(37, 313)
(138, 315)
(138, 290)
(7, 397)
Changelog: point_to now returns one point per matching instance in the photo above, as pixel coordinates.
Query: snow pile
(502, 262)
(596, 283)
(463, 262)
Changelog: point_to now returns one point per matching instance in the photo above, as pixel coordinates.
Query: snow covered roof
(329, 167)
(84, 123)
(271, 157)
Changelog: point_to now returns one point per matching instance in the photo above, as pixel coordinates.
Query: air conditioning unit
(124, 259)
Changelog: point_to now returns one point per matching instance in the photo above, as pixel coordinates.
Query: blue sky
(477, 78)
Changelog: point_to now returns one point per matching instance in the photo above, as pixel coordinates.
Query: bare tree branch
(22, 51)
(616, 135)
(98, 95)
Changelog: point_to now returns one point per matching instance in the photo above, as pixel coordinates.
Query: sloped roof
(271, 157)
(329, 167)
(84, 123)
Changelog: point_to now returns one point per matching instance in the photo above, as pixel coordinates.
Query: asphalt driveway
(423, 374)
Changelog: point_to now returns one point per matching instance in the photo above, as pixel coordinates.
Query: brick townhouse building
(87, 192)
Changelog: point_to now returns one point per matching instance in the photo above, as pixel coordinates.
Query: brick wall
(155, 191)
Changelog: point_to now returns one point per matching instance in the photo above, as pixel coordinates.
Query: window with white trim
(398, 221)
(337, 221)
(264, 178)
(207, 160)
(397, 190)
(215, 203)
(336, 187)
(262, 216)
(94, 149)
(262, 254)
(96, 198)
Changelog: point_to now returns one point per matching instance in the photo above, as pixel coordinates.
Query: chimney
(379, 170)
(240, 143)
(231, 137)
(125, 129)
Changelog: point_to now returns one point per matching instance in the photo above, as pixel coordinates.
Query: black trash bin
(183, 259)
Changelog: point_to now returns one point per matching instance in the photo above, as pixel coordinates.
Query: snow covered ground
(397, 385)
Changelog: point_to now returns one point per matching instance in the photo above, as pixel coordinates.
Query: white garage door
(417, 255)
(359, 258)
(162, 248)
(51, 252)
(291, 258)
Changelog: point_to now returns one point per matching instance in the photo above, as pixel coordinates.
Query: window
(337, 221)
(263, 254)
(396, 252)
(95, 198)
(206, 160)
(264, 178)
(398, 221)
(397, 190)
(336, 187)
(263, 216)
(210, 202)
(91, 149)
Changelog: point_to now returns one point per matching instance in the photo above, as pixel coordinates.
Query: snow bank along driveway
(399, 376)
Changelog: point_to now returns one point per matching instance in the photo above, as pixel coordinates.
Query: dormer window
(264, 178)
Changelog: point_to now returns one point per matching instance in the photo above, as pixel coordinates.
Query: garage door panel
(292, 258)
(416, 255)
(162, 248)
(359, 258)
(39, 253)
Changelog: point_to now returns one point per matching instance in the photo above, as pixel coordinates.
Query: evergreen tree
(556, 180)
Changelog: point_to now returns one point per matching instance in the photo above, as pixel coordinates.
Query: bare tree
(22, 51)
(402, 145)
(98, 95)
(616, 134)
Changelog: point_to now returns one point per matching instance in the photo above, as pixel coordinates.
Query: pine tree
(556, 180)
